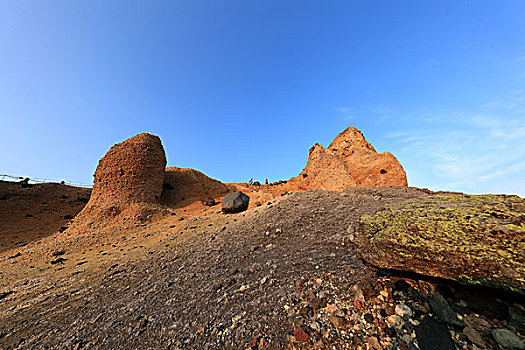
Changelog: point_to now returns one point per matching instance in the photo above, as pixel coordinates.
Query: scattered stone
(57, 261)
(517, 317)
(479, 323)
(402, 310)
(338, 321)
(58, 252)
(395, 321)
(15, 255)
(5, 294)
(209, 201)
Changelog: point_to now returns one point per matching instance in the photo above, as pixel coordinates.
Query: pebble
(338, 321)
(315, 326)
(300, 335)
(402, 310)
(474, 336)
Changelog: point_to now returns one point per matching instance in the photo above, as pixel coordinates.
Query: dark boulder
(235, 202)
(433, 335)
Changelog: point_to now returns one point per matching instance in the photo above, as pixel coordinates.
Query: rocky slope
(282, 275)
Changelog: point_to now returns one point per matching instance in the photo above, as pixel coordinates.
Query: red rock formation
(349, 161)
(325, 170)
(128, 183)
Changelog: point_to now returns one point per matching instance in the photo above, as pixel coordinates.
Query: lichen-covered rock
(471, 239)
(349, 161)
(127, 185)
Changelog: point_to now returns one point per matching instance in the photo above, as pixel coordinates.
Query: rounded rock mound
(128, 183)
(183, 186)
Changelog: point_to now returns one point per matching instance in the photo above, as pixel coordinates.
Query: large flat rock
(471, 239)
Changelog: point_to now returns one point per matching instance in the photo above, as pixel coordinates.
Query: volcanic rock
(349, 161)
(235, 202)
(470, 239)
(128, 183)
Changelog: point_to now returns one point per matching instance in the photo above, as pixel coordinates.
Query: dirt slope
(282, 275)
(32, 212)
(187, 291)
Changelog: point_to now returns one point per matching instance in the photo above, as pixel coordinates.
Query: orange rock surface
(349, 161)
(128, 184)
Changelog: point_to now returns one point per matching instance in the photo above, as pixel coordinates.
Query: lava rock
(235, 202)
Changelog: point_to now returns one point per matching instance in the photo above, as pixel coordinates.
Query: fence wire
(11, 178)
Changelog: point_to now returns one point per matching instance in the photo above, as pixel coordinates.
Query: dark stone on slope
(433, 335)
(443, 311)
(235, 202)
(487, 306)
(517, 317)
(507, 340)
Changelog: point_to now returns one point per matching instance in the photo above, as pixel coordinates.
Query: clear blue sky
(242, 89)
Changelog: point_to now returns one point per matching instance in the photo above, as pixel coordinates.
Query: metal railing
(11, 178)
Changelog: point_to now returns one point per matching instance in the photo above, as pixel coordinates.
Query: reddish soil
(32, 212)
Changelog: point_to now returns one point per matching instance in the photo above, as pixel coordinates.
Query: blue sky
(242, 89)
